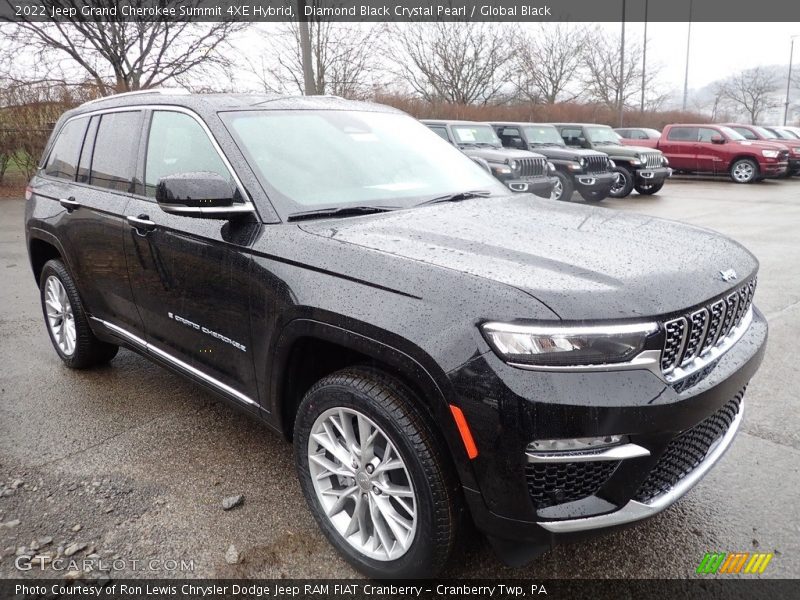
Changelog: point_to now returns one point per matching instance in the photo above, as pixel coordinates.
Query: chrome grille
(652, 160)
(596, 164)
(531, 167)
(692, 335)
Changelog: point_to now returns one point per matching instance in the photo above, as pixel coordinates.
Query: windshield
(733, 135)
(322, 159)
(603, 135)
(783, 134)
(475, 134)
(543, 134)
(766, 133)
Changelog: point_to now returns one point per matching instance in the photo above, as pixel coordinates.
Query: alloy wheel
(743, 172)
(362, 484)
(60, 318)
(558, 191)
(619, 183)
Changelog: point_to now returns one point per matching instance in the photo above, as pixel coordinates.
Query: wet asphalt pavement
(134, 461)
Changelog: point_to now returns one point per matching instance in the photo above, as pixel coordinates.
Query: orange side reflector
(463, 429)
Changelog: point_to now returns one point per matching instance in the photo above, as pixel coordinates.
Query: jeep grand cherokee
(437, 348)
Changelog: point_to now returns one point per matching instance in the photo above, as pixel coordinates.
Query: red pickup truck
(754, 132)
(717, 149)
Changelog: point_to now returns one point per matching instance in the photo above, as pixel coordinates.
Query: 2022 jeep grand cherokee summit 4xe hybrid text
(437, 348)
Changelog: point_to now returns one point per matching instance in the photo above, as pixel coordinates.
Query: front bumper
(541, 186)
(653, 175)
(507, 408)
(794, 166)
(775, 169)
(597, 183)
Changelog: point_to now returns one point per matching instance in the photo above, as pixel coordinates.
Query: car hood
(582, 262)
(499, 154)
(762, 144)
(566, 153)
(624, 150)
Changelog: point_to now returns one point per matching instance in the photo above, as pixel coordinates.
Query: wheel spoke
(332, 445)
(331, 467)
(396, 490)
(379, 526)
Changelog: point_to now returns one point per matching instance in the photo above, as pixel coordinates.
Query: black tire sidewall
(417, 560)
(649, 192)
(567, 188)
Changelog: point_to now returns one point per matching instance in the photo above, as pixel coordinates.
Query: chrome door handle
(141, 223)
(69, 203)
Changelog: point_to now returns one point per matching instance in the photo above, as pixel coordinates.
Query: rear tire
(409, 531)
(623, 187)
(66, 320)
(744, 170)
(646, 189)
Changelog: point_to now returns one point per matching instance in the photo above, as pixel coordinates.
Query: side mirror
(201, 194)
(717, 139)
(582, 142)
(518, 143)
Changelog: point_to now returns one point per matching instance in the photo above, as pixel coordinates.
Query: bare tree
(462, 63)
(548, 63)
(605, 81)
(341, 55)
(124, 56)
(752, 91)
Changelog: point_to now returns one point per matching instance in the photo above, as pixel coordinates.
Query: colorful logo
(734, 562)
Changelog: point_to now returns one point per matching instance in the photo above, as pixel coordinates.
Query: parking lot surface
(132, 463)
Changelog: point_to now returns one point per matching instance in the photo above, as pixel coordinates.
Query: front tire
(66, 320)
(648, 189)
(744, 170)
(623, 186)
(375, 475)
(563, 188)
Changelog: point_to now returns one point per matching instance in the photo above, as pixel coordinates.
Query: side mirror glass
(717, 139)
(198, 194)
(518, 143)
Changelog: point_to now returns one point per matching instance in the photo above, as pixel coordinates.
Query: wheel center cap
(363, 480)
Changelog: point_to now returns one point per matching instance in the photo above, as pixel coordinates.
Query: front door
(190, 275)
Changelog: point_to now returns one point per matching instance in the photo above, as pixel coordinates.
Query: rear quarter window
(63, 160)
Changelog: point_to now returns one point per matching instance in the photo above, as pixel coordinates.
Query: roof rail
(165, 91)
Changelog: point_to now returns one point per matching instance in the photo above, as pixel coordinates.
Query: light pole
(622, 70)
(644, 56)
(688, 46)
(789, 79)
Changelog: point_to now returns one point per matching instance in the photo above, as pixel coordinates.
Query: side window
(63, 159)
(683, 134)
(746, 133)
(706, 133)
(638, 134)
(114, 156)
(570, 136)
(178, 144)
(441, 132)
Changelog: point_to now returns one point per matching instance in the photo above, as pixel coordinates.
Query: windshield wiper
(457, 197)
(342, 211)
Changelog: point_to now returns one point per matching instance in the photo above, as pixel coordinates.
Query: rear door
(190, 274)
(680, 147)
(90, 171)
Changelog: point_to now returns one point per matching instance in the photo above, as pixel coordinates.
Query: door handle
(69, 203)
(141, 223)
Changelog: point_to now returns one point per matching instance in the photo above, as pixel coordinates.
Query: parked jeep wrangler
(642, 169)
(587, 171)
(520, 170)
(437, 348)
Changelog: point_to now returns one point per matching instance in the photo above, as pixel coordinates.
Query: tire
(744, 170)
(563, 188)
(384, 406)
(624, 184)
(648, 189)
(593, 197)
(66, 321)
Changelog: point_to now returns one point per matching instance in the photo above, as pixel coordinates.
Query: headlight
(583, 162)
(664, 161)
(551, 168)
(501, 169)
(555, 345)
(612, 164)
(514, 165)
(576, 166)
(637, 159)
(769, 153)
(797, 150)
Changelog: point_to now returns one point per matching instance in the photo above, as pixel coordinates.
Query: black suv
(520, 170)
(587, 171)
(438, 348)
(642, 169)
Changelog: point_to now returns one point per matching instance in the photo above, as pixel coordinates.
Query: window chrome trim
(620, 452)
(124, 333)
(635, 511)
(248, 205)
